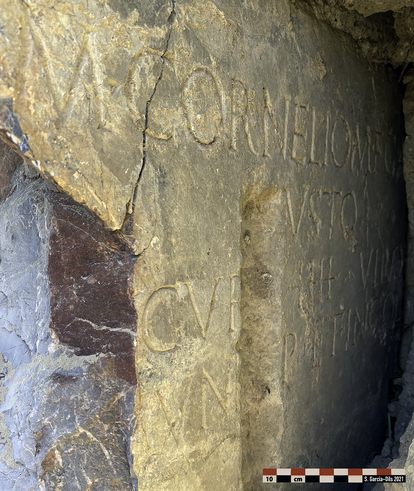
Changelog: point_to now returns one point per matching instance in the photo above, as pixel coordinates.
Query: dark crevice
(127, 227)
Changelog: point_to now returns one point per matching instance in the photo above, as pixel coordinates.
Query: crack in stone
(104, 328)
(128, 222)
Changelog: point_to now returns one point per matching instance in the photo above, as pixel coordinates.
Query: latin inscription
(175, 425)
(289, 128)
(204, 326)
(165, 296)
(66, 95)
(341, 330)
(202, 102)
(138, 90)
(323, 212)
(347, 325)
(222, 123)
(201, 383)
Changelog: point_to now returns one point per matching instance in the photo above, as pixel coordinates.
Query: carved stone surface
(57, 86)
(252, 158)
(320, 170)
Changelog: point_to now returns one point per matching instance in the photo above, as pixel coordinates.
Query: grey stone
(52, 401)
(386, 449)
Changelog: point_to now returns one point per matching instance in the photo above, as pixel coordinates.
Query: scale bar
(334, 475)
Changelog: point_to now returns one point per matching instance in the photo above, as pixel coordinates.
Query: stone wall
(203, 253)
(67, 414)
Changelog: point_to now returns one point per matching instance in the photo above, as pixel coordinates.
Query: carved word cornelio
(303, 134)
(296, 131)
(307, 135)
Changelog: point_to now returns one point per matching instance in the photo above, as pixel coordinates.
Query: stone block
(252, 158)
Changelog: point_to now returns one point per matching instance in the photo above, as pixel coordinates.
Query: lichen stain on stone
(49, 462)
(94, 455)
(91, 282)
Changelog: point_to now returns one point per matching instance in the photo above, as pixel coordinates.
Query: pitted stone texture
(93, 450)
(405, 461)
(23, 273)
(82, 420)
(24, 326)
(9, 163)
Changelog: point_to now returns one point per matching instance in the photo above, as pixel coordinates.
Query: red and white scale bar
(328, 475)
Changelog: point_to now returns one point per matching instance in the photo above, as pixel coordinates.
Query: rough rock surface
(369, 7)
(252, 157)
(66, 415)
(91, 284)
